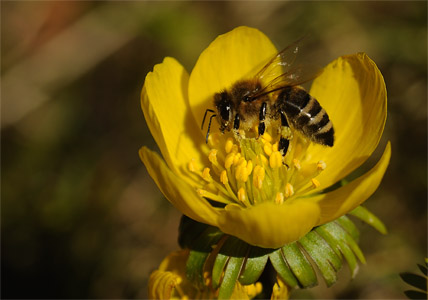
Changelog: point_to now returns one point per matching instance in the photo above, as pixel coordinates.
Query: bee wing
(292, 73)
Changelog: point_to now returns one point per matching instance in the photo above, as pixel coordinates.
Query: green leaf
(366, 216)
(423, 269)
(254, 265)
(323, 255)
(278, 261)
(415, 294)
(415, 280)
(299, 265)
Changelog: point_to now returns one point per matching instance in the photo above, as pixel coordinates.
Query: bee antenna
(209, 126)
(205, 115)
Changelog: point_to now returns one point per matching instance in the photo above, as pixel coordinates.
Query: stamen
(289, 190)
(214, 140)
(249, 166)
(279, 199)
(321, 165)
(229, 160)
(258, 176)
(267, 148)
(223, 177)
(238, 159)
(267, 137)
(206, 174)
(315, 183)
(275, 147)
(211, 196)
(228, 145)
(275, 160)
(212, 156)
(192, 165)
(241, 172)
(242, 195)
(296, 163)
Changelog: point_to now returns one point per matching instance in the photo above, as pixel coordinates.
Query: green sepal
(280, 265)
(300, 265)
(350, 227)
(230, 258)
(335, 236)
(323, 255)
(254, 265)
(200, 238)
(366, 216)
(423, 269)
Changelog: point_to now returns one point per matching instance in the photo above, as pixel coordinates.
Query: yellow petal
(339, 202)
(233, 56)
(166, 109)
(176, 190)
(352, 91)
(269, 225)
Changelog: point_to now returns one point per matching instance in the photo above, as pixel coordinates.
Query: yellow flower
(170, 282)
(243, 186)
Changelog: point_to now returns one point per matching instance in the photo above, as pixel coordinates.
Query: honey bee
(251, 104)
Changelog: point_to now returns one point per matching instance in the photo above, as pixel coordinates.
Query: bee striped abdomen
(306, 115)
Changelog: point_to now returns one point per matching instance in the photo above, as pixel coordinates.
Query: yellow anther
(212, 156)
(296, 163)
(267, 148)
(241, 172)
(201, 192)
(223, 177)
(315, 183)
(228, 145)
(238, 159)
(242, 195)
(192, 165)
(289, 190)
(228, 162)
(206, 174)
(249, 167)
(275, 147)
(259, 288)
(267, 137)
(178, 280)
(275, 160)
(321, 165)
(235, 148)
(258, 176)
(206, 274)
(214, 140)
(279, 199)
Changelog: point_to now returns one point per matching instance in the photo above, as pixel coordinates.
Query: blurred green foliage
(80, 216)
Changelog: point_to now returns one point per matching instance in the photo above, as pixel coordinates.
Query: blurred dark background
(81, 218)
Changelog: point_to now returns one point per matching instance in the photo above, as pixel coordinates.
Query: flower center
(247, 171)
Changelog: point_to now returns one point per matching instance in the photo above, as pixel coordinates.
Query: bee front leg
(284, 141)
(262, 117)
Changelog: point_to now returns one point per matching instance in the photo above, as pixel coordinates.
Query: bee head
(224, 108)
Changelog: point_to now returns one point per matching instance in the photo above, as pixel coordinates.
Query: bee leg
(262, 117)
(284, 142)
